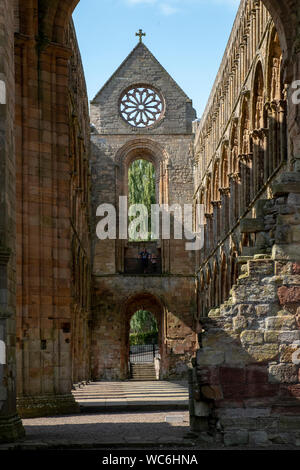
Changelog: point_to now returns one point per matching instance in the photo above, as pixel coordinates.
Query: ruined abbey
(228, 315)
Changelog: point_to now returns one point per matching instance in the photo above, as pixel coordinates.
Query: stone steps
(143, 372)
(131, 396)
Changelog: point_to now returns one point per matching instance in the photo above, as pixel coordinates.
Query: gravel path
(153, 430)
(95, 429)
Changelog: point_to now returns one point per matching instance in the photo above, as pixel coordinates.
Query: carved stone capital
(224, 191)
(246, 93)
(246, 158)
(260, 133)
(282, 106)
(274, 106)
(236, 176)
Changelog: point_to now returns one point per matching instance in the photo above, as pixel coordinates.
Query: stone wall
(240, 148)
(246, 388)
(51, 140)
(245, 384)
(115, 144)
(10, 425)
(116, 298)
(80, 213)
(109, 179)
(141, 67)
(168, 145)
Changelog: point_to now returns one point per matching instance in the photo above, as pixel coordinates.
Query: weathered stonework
(245, 384)
(247, 370)
(10, 424)
(170, 296)
(53, 248)
(247, 152)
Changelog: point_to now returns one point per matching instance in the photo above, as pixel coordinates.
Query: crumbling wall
(246, 378)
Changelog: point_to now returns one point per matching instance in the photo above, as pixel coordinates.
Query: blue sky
(188, 37)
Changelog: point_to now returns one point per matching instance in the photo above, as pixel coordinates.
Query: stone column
(44, 230)
(208, 233)
(235, 179)
(282, 112)
(226, 216)
(10, 424)
(216, 221)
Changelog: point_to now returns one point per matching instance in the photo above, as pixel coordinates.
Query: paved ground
(119, 431)
(108, 429)
(133, 396)
(114, 429)
(117, 414)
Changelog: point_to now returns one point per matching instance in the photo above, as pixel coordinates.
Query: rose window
(141, 106)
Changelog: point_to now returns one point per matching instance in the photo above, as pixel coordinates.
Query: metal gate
(143, 353)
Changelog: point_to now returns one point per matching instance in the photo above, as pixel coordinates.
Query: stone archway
(150, 150)
(149, 302)
(146, 149)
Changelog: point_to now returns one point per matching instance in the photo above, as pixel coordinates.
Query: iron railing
(139, 266)
(143, 353)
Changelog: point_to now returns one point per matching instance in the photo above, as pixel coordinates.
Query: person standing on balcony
(144, 256)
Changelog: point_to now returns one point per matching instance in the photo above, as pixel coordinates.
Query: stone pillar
(232, 189)
(226, 212)
(10, 424)
(282, 112)
(44, 231)
(216, 221)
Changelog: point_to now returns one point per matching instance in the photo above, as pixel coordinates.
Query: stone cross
(140, 34)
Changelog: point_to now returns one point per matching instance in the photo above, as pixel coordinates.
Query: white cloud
(167, 9)
(140, 2)
(171, 7)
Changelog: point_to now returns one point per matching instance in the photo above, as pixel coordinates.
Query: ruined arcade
(228, 314)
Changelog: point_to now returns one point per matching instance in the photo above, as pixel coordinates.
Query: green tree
(141, 183)
(143, 322)
(143, 328)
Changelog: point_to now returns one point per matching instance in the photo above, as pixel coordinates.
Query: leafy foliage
(143, 328)
(141, 183)
(143, 322)
(143, 338)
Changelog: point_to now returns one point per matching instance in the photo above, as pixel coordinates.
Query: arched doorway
(144, 355)
(153, 352)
